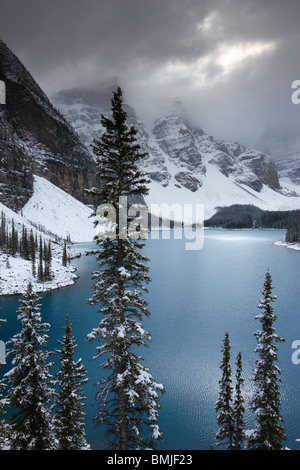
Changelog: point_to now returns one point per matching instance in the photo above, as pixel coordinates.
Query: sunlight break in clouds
(236, 55)
(224, 60)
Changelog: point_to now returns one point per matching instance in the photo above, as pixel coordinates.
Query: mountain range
(48, 142)
(185, 164)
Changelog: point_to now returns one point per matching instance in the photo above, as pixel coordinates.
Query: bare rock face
(176, 139)
(16, 178)
(36, 139)
(249, 167)
(188, 181)
(262, 166)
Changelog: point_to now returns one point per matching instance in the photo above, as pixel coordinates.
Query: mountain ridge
(35, 138)
(185, 164)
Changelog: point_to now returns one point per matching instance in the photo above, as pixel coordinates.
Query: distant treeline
(28, 246)
(240, 216)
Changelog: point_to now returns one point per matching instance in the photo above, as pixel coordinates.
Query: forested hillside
(248, 216)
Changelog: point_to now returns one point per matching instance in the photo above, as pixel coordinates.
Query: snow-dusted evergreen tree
(238, 406)
(265, 400)
(69, 401)
(30, 383)
(64, 254)
(224, 402)
(4, 426)
(128, 397)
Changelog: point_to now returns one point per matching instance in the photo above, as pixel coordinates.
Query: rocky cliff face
(289, 167)
(35, 138)
(177, 140)
(248, 167)
(191, 149)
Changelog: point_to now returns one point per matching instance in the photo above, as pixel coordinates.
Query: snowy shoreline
(15, 278)
(53, 216)
(290, 246)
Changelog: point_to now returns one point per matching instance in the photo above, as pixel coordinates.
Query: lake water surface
(194, 298)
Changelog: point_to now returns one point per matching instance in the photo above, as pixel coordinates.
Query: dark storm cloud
(115, 30)
(232, 62)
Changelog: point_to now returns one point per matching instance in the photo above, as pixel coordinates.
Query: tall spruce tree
(14, 239)
(30, 389)
(47, 254)
(64, 254)
(3, 231)
(268, 433)
(41, 275)
(238, 406)
(224, 403)
(4, 402)
(128, 399)
(69, 401)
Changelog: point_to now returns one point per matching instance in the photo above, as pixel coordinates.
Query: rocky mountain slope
(35, 138)
(185, 164)
(289, 169)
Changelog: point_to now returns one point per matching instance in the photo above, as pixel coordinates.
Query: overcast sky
(232, 62)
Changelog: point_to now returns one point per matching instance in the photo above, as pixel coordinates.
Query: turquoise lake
(194, 298)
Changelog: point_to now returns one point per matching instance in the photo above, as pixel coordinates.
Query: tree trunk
(122, 423)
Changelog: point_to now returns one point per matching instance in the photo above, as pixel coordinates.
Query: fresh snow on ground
(16, 272)
(289, 188)
(15, 278)
(290, 246)
(59, 212)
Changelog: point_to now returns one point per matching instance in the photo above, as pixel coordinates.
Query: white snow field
(51, 210)
(58, 212)
(219, 190)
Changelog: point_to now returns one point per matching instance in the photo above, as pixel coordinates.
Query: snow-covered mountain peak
(186, 164)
